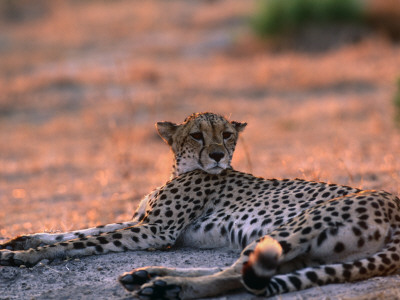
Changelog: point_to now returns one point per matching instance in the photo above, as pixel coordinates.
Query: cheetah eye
(226, 135)
(198, 136)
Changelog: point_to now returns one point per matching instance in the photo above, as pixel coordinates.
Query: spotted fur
(294, 234)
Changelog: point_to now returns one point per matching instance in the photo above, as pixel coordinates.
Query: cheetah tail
(261, 265)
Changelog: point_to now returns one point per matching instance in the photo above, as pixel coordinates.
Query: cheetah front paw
(135, 279)
(23, 242)
(7, 258)
(159, 289)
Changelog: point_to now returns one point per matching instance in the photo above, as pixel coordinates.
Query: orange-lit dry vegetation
(83, 84)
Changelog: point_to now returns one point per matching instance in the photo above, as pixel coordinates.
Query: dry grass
(82, 87)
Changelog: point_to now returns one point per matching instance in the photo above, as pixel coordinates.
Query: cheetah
(293, 234)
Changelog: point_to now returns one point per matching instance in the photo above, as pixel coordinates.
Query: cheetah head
(203, 141)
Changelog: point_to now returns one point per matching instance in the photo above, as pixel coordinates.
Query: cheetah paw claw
(134, 280)
(159, 289)
(7, 259)
(23, 242)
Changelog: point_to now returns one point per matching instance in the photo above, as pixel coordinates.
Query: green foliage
(396, 102)
(274, 17)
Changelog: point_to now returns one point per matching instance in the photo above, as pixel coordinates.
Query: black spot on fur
(346, 274)
(295, 281)
(306, 230)
(377, 235)
(363, 270)
(102, 240)
(339, 247)
(281, 283)
(330, 271)
(395, 257)
(321, 238)
(363, 225)
(208, 227)
(356, 231)
(117, 236)
(312, 276)
(153, 229)
(78, 245)
(223, 230)
(265, 222)
(346, 216)
(317, 225)
(361, 210)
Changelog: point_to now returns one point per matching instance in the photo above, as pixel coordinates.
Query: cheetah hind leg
(179, 287)
(134, 279)
(259, 279)
(169, 283)
(385, 262)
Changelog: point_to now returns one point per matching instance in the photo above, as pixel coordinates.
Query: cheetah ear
(239, 126)
(166, 130)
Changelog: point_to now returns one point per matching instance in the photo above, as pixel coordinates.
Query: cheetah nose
(217, 156)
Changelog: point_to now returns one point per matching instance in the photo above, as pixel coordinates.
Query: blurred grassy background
(275, 17)
(83, 82)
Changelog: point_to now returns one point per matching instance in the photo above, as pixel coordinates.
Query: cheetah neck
(174, 172)
(177, 171)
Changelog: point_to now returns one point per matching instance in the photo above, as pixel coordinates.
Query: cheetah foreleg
(132, 238)
(25, 242)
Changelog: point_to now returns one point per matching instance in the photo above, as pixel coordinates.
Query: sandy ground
(82, 84)
(95, 278)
